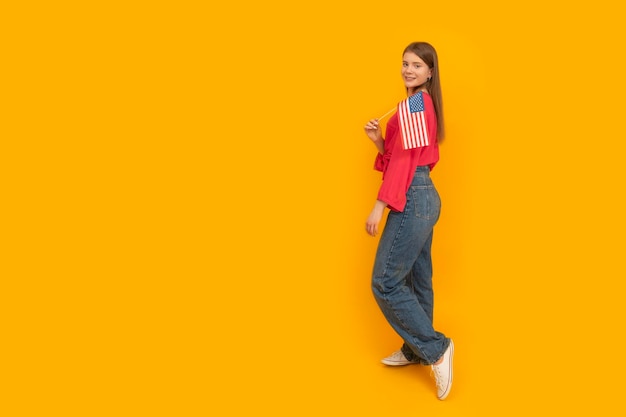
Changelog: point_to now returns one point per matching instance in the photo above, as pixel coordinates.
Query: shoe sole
(398, 363)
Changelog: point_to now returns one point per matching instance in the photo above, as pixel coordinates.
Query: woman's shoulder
(427, 99)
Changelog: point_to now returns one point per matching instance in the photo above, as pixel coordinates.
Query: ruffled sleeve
(397, 177)
(382, 161)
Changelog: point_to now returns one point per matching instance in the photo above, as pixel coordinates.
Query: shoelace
(398, 356)
(434, 370)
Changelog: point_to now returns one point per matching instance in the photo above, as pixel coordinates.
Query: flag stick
(386, 114)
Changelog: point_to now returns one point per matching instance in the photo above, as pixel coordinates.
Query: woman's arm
(373, 131)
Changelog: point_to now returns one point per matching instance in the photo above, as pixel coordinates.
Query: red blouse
(398, 165)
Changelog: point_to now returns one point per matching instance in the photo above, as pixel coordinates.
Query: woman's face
(414, 71)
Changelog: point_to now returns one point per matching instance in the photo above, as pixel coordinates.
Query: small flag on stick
(412, 122)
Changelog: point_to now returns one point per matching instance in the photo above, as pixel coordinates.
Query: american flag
(412, 122)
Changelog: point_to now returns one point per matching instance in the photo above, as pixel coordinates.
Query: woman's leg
(420, 283)
(421, 278)
(405, 236)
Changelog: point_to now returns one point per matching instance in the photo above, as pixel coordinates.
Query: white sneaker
(397, 358)
(443, 373)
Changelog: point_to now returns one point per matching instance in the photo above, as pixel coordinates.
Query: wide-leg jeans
(402, 276)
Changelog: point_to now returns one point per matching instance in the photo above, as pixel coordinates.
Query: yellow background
(185, 186)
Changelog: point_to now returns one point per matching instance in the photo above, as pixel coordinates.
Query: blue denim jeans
(402, 277)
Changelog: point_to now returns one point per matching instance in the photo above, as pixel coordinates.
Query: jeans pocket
(426, 201)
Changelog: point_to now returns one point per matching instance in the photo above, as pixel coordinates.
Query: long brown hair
(428, 54)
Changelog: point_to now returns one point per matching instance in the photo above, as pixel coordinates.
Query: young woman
(402, 276)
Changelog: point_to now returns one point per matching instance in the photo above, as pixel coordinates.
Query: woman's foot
(442, 370)
(397, 358)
